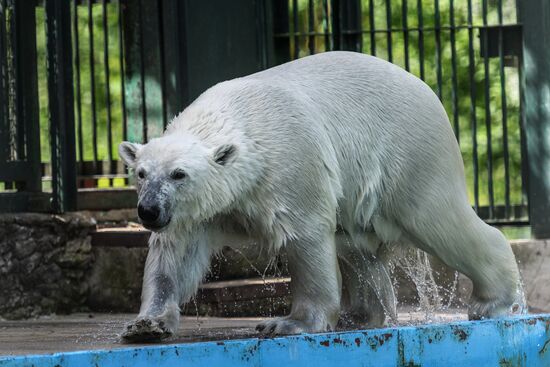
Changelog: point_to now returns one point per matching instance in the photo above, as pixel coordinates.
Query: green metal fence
(99, 71)
(468, 52)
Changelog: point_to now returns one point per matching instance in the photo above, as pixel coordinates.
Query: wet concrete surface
(101, 331)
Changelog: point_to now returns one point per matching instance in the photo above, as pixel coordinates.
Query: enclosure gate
(99, 71)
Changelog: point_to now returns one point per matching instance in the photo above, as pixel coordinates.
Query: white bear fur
(335, 139)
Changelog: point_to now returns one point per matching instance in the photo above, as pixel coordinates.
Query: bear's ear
(127, 152)
(224, 154)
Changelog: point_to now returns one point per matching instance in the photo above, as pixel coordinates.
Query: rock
(44, 263)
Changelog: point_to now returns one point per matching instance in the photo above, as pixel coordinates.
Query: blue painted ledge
(518, 341)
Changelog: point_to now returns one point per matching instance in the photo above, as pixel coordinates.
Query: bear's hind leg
(315, 288)
(367, 293)
(464, 242)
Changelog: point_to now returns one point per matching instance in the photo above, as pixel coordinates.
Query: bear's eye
(141, 174)
(178, 174)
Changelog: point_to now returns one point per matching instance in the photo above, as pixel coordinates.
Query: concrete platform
(101, 331)
(514, 341)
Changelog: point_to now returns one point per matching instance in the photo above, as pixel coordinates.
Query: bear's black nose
(148, 213)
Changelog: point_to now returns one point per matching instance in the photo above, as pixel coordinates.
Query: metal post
(61, 104)
(346, 23)
(175, 57)
(535, 71)
(136, 110)
(280, 21)
(27, 93)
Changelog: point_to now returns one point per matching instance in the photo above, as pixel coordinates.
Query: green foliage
(83, 108)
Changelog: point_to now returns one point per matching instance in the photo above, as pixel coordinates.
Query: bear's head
(178, 179)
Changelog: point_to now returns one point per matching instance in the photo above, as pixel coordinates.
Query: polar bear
(284, 157)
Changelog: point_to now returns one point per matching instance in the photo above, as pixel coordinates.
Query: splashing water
(434, 298)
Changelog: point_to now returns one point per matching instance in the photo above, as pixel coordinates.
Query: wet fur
(335, 139)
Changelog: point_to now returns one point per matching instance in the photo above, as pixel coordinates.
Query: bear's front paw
(146, 330)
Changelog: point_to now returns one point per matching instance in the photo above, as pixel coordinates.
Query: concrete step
(233, 287)
(262, 297)
(120, 237)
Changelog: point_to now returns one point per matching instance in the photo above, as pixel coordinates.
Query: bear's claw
(145, 330)
(281, 326)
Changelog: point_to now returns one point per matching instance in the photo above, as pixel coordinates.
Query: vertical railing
(473, 109)
(464, 50)
(4, 93)
(28, 134)
(61, 113)
(20, 175)
(155, 52)
(535, 17)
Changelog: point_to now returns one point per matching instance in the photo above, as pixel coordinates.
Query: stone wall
(114, 284)
(44, 262)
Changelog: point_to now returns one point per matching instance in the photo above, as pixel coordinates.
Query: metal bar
(296, 32)
(173, 57)
(107, 86)
(349, 25)
(505, 151)
(487, 97)
(264, 30)
(503, 214)
(10, 85)
(389, 33)
(473, 117)
(162, 64)
(131, 23)
(281, 25)
(15, 171)
(142, 74)
(61, 104)
(27, 92)
(404, 16)
(454, 76)
(19, 114)
(513, 39)
(122, 78)
(151, 65)
(392, 29)
(339, 26)
(92, 83)
(335, 24)
(438, 50)
(4, 122)
(122, 75)
(17, 202)
(328, 44)
(420, 38)
(311, 26)
(535, 74)
(372, 28)
(78, 87)
(522, 138)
